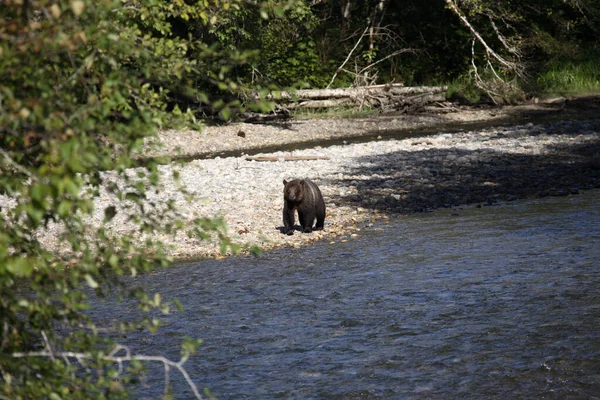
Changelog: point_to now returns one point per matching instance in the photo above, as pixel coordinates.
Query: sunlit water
(494, 302)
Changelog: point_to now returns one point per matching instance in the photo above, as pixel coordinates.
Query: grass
(568, 79)
(558, 78)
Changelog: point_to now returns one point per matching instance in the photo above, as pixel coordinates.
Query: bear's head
(293, 190)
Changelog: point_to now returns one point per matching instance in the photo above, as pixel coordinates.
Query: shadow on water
(405, 182)
(467, 303)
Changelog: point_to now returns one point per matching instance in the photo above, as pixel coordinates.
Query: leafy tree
(428, 41)
(519, 39)
(82, 84)
(285, 39)
(288, 51)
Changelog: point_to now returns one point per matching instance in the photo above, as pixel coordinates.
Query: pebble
(364, 182)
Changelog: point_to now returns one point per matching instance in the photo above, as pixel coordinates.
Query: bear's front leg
(288, 220)
(306, 220)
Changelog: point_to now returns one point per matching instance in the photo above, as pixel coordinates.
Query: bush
(83, 84)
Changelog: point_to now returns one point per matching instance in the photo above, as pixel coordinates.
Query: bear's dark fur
(302, 195)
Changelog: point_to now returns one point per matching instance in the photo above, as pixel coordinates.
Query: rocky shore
(383, 177)
(370, 169)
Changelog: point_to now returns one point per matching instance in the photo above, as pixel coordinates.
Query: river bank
(369, 169)
(236, 139)
(364, 182)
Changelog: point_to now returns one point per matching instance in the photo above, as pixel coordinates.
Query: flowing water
(494, 302)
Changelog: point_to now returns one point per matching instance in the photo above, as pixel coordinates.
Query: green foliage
(282, 31)
(288, 51)
(82, 84)
(486, 89)
(568, 78)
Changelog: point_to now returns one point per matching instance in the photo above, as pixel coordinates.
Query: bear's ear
(284, 182)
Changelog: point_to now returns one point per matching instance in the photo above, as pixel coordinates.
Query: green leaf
(20, 266)
(132, 196)
(113, 260)
(39, 191)
(35, 214)
(190, 345)
(90, 281)
(64, 208)
(225, 113)
(75, 165)
(71, 187)
(178, 305)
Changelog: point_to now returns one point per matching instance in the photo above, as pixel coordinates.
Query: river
(492, 302)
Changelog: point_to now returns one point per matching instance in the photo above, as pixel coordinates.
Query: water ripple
(497, 302)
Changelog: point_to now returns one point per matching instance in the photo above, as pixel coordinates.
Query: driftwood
(316, 104)
(396, 89)
(390, 97)
(257, 118)
(286, 158)
(418, 102)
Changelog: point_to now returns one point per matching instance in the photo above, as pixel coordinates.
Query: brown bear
(302, 195)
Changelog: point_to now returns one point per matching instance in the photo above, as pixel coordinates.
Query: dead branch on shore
(389, 97)
(286, 158)
(396, 89)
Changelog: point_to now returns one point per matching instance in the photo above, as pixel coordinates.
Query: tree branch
(502, 39)
(16, 165)
(112, 357)
(510, 65)
(347, 58)
(395, 53)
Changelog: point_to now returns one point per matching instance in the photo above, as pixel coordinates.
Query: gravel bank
(370, 180)
(233, 139)
(363, 182)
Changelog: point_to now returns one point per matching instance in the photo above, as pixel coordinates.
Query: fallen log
(316, 94)
(286, 158)
(415, 103)
(320, 103)
(386, 98)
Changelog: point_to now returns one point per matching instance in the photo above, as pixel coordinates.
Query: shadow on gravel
(407, 182)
